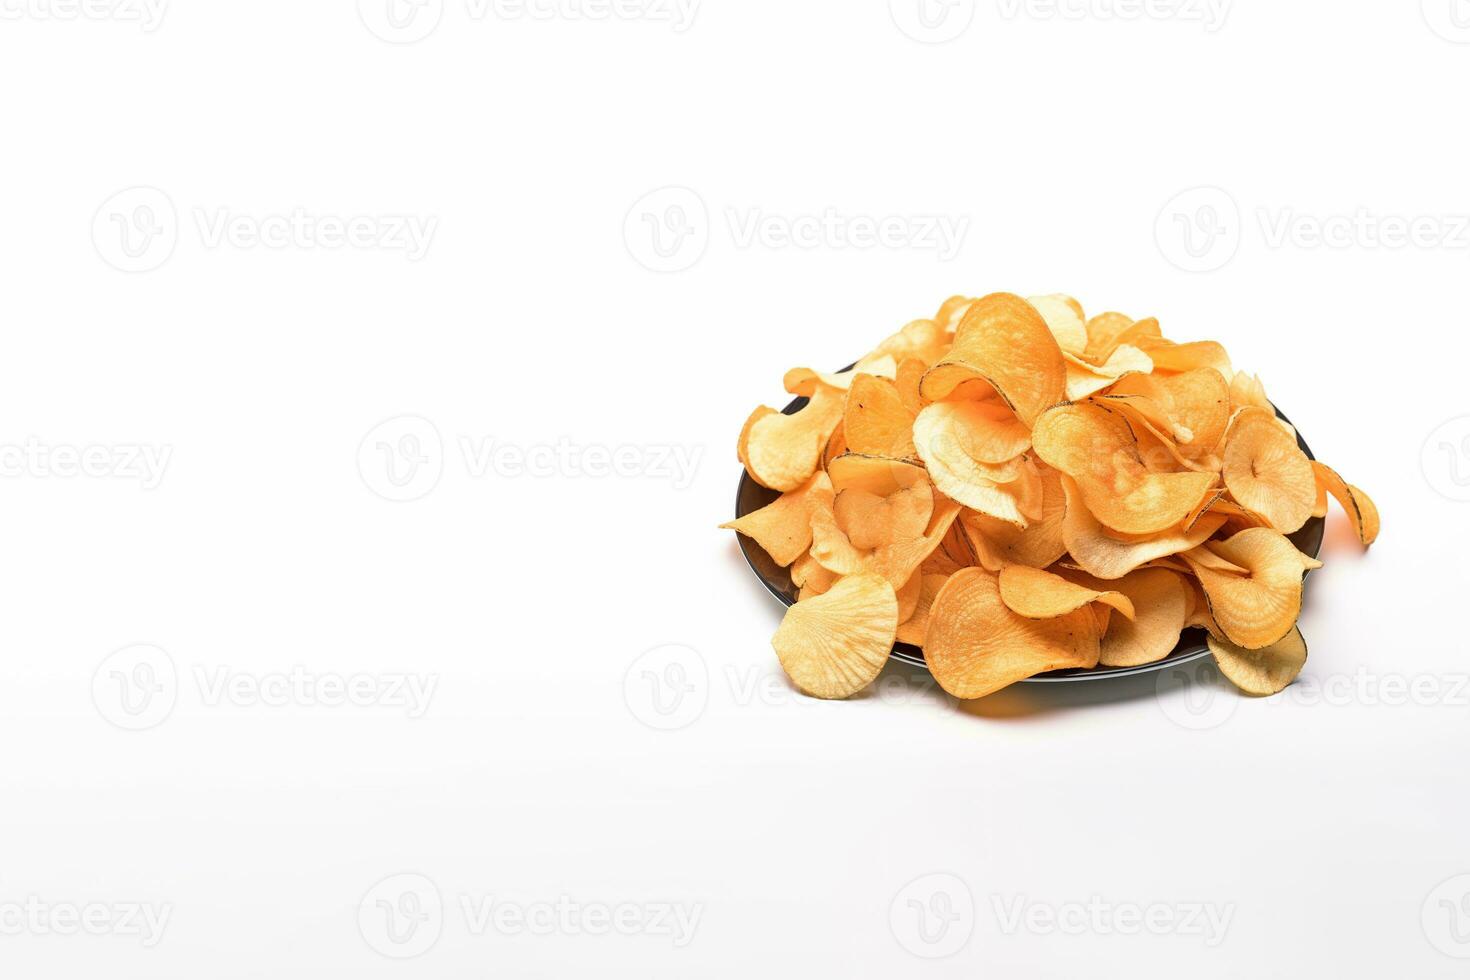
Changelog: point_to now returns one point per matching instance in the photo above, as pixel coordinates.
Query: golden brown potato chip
(1005, 342)
(952, 311)
(876, 422)
(743, 443)
(1038, 594)
(782, 451)
(835, 644)
(1107, 331)
(804, 381)
(1265, 671)
(784, 526)
(1195, 406)
(998, 543)
(923, 340)
(871, 521)
(1096, 448)
(1108, 557)
(1172, 358)
(1064, 319)
(1259, 608)
(808, 573)
(1358, 505)
(908, 596)
(1162, 599)
(910, 373)
(954, 439)
(1267, 472)
(976, 646)
(897, 561)
(876, 474)
(1085, 378)
(915, 628)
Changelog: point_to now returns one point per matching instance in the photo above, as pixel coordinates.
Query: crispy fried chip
(916, 627)
(1096, 448)
(1163, 602)
(782, 451)
(976, 646)
(1358, 505)
(1256, 609)
(1005, 342)
(871, 521)
(876, 421)
(1108, 557)
(998, 543)
(1038, 594)
(835, 644)
(1063, 316)
(784, 526)
(1266, 471)
(1265, 671)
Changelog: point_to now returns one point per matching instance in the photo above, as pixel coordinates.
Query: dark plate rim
(1191, 646)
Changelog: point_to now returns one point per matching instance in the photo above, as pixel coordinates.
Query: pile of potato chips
(1017, 488)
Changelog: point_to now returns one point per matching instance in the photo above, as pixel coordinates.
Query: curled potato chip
(908, 596)
(898, 561)
(1265, 671)
(1005, 342)
(1107, 331)
(871, 521)
(1106, 556)
(835, 644)
(923, 340)
(1195, 406)
(876, 474)
(1256, 609)
(1163, 601)
(1085, 377)
(876, 421)
(975, 645)
(1063, 316)
(954, 439)
(784, 526)
(808, 573)
(1246, 391)
(998, 543)
(952, 311)
(916, 626)
(1038, 594)
(782, 451)
(1266, 471)
(910, 373)
(1172, 358)
(742, 445)
(1095, 447)
(1358, 505)
(804, 381)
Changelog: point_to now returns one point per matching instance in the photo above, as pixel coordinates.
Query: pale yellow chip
(1256, 609)
(976, 646)
(835, 644)
(1265, 671)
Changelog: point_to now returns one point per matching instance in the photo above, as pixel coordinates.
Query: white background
(1327, 823)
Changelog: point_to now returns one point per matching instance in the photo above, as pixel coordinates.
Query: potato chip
(910, 373)
(1172, 358)
(916, 627)
(908, 596)
(1063, 318)
(1096, 449)
(808, 573)
(998, 543)
(876, 474)
(1358, 505)
(835, 644)
(804, 381)
(923, 340)
(876, 421)
(1107, 557)
(1256, 609)
(976, 646)
(1005, 342)
(1038, 594)
(952, 311)
(871, 521)
(782, 451)
(784, 526)
(1266, 471)
(1163, 602)
(1265, 671)
(1107, 331)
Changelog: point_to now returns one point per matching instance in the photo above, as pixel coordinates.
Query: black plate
(751, 496)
